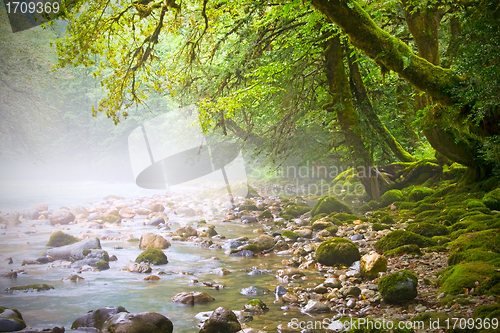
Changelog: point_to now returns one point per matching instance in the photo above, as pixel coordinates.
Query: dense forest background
(340, 83)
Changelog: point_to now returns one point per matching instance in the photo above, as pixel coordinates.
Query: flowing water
(113, 287)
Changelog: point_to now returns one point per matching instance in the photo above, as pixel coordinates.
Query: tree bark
(366, 107)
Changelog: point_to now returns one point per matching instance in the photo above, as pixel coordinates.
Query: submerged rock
(221, 320)
(150, 322)
(254, 291)
(192, 298)
(137, 268)
(97, 318)
(73, 252)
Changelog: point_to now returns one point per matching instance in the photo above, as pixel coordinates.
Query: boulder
(79, 210)
(337, 251)
(59, 238)
(157, 207)
(221, 320)
(11, 324)
(192, 298)
(73, 252)
(187, 211)
(264, 242)
(30, 214)
(127, 213)
(152, 241)
(41, 208)
(150, 322)
(186, 231)
(255, 306)
(155, 221)
(398, 287)
(137, 268)
(329, 204)
(142, 211)
(372, 264)
(61, 216)
(152, 257)
(97, 318)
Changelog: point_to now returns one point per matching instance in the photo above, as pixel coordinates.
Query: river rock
(254, 291)
(142, 211)
(97, 318)
(186, 231)
(30, 214)
(152, 241)
(248, 219)
(150, 322)
(332, 283)
(242, 253)
(398, 287)
(73, 252)
(156, 221)
(187, 211)
(157, 207)
(192, 298)
(126, 213)
(41, 208)
(315, 307)
(264, 242)
(61, 216)
(11, 324)
(137, 268)
(151, 278)
(221, 320)
(73, 278)
(372, 264)
(79, 210)
(206, 232)
(303, 232)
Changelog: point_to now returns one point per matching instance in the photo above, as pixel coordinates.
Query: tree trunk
(347, 117)
(366, 107)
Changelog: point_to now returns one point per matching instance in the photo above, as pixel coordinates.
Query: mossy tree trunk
(365, 105)
(343, 105)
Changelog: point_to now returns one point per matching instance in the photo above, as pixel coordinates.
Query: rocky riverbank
(421, 255)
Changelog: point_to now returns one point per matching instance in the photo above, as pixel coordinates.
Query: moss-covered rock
(428, 229)
(492, 199)
(295, 210)
(344, 217)
(321, 224)
(473, 203)
(110, 218)
(386, 219)
(390, 196)
(378, 226)
(289, 234)
(152, 256)
(404, 205)
(398, 287)
(328, 205)
(473, 255)
(266, 214)
(31, 287)
(59, 238)
(102, 265)
(419, 193)
(487, 311)
(332, 230)
(466, 276)
(337, 251)
(405, 249)
(487, 239)
(399, 238)
(255, 306)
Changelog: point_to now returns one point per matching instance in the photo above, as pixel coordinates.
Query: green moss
(248, 207)
(266, 214)
(343, 217)
(86, 252)
(378, 227)
(461, 276)
(428, 229)
(436, 248)
(152, 256)
(333, 230)
(398, 287)
(387, 220)
(2, 309)
(258, 303)
(317, 217)
(337, 251)
(295, 210)
(473, 255)
(492, 199)
(110, 219)
(405, 249)
(30, 287)
(287, 217)
(328, 205)
(251, 247)
(426, 207)
(289, 234)
(320, 225)
(102, 265)
(454, 214)
(487, 311)
(419, 193)
(370, 205)
(399, 238)
(473, 203)
(390, 196)
(487, 239)
(404, 205)
(59, 238)
(440, 240)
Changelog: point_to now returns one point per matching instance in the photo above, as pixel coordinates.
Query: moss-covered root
(152, 257)
(337, 251)
(59, 238)
(398, 287)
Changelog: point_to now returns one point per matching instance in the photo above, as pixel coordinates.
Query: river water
(113, 287)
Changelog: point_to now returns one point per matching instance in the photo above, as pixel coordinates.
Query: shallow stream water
(113, 287)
